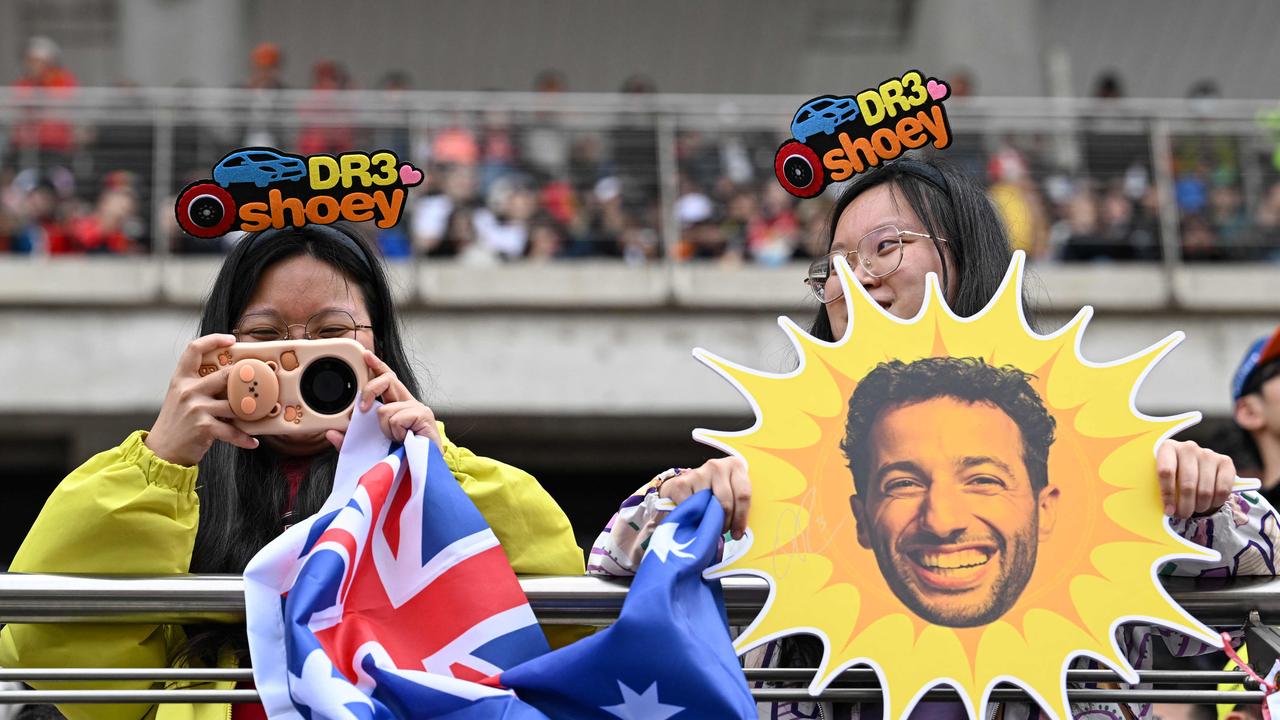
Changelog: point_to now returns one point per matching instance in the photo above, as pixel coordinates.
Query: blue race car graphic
(822, 115)
(258, 166)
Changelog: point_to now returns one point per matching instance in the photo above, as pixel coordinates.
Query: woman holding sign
(198, 494)
(895, 225)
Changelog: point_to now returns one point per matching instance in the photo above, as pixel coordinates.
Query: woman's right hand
(195, 410)
(727, 478)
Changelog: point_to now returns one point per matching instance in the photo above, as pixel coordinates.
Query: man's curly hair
(970, 380)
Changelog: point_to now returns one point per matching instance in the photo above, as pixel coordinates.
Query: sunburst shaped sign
(955, 501)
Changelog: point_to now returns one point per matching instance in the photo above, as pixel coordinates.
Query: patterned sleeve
(618, 550)
(1244, 531)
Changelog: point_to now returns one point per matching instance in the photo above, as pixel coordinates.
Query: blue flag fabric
(668, 656)
(395, 601)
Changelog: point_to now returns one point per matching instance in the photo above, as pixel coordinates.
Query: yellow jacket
(128, 512)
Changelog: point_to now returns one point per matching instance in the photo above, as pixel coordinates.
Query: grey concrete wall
(582, 340)
(1160, 47)
(196, 42)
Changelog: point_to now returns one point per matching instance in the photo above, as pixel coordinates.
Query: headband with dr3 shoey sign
(836, 137)
(257, 188)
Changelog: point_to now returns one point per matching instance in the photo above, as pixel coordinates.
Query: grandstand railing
(189, 129)
(1251, 603)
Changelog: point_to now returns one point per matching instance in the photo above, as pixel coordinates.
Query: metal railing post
(162, 159)
(1170, 233)
(668, 191)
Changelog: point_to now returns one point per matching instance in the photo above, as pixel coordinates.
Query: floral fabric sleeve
(1244, 531)
(618, 550)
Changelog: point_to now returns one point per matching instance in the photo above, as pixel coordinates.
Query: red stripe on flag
(391, 528)
(460, 598)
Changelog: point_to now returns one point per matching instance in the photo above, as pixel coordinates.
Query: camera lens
(328, 386)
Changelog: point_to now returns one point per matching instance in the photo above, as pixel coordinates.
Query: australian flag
(397, 601)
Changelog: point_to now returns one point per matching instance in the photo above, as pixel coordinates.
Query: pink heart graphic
(938, 89)
(410, 175)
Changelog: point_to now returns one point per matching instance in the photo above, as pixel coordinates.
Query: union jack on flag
(401, 547)
(396, 601)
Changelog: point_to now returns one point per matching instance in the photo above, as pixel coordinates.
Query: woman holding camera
(195, 494)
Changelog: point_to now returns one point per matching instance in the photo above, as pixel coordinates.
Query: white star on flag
(641, 707)
(663, 543)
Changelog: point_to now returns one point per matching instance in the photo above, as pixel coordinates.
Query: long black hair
(243, 492)
(953, 206)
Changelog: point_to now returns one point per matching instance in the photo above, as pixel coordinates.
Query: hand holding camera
(400, 411)
(195, 411)
(224, 390)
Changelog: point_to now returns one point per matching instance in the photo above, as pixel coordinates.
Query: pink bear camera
(291, 387)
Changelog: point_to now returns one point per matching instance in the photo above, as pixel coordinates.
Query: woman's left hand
(1193, 480)
(400, 412)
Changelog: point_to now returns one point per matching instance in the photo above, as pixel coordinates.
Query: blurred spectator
(326, 124)
(961, 83)
(1080, 227)
(546, 240)
(545, 146)
(393, 137)
(557, 200)
(814, 230)
(1018, 201)
(1108, 85)
(601, 224)
(460, 240)
(773, 234)
(587, 162)
(41, 138)
(37, 209)
(1191, 193)
(1230, 222)
(455, 144)
(701, 236)
(496, 149)
(635, 149)
(262, 122)
(1198, 241)
(431, 214)
(114, 225)
(638, 244)
(1266, 233)
(394, 243)
(502, 226)
(741, 212)
(264, 73)
(698, 156)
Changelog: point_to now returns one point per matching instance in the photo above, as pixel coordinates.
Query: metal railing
(1248, 602)
(654, 143)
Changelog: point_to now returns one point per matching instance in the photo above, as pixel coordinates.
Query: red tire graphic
(798, 169)
(206, 210)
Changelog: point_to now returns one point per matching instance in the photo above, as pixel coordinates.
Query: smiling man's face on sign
(946, 497)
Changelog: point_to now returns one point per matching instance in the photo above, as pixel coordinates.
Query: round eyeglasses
(326, 325)
(878, 253)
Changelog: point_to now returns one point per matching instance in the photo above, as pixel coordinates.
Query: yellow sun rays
(1096, 570)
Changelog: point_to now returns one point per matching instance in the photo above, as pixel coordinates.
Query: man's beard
(1014, 572)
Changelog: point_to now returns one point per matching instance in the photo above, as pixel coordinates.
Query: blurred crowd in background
(501, 188)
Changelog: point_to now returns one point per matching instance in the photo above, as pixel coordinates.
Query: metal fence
(1252, 603)
(645, 178)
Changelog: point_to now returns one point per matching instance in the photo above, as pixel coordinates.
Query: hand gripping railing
(1248, 602)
